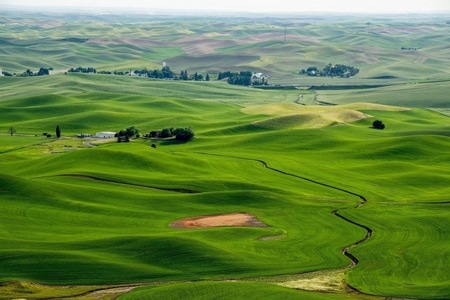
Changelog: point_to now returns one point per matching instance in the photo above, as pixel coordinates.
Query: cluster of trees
(237, 78)
(184, 75)
(83, 70)
(167, 73)
(410, 48)
(246, 78)
(12, 131)
(113, 73)
(183, 134)
(125, 135)
(331, 71)
(225, 75)
(27, 73)
(180, 134)
(163, 73)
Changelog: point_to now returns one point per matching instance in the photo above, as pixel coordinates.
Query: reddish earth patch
(203, 45)
(235, 219)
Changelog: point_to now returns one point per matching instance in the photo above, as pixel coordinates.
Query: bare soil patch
(110, 293)
(402, 30)
(234, 219)
(207, 45)
(204, 45)
(264, 37)
(327, 282)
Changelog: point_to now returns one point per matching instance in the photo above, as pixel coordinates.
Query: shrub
(377, 124)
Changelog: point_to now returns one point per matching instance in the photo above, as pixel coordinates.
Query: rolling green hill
(350, 212)
(399, 48)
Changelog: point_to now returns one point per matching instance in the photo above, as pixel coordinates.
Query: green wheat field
(348, 211)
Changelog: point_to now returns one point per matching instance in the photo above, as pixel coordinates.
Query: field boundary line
(345, 251)
(90, 177)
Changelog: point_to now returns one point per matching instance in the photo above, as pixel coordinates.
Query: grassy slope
(233, 43)
(91, 227)
(430, 95)
(84, 228)
(71, 197)
(406, 241)
(224, 290)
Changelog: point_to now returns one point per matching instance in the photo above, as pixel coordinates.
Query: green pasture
(405, 245)
(101, 219)
(224, 290)
(278, 46)
(429, 95)
(87, 212)
(92, 213)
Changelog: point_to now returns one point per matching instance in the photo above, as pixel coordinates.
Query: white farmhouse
(259, 78)
(105, 135)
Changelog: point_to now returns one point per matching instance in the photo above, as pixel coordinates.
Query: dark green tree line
(330, 70)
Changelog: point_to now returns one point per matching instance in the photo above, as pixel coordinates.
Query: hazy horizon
(286, 6)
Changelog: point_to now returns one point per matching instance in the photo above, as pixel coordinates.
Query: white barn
(105, 134)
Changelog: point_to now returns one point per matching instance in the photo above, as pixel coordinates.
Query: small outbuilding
(105, 135)
(259, 79)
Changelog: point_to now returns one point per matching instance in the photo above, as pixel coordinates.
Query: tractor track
(90, 177)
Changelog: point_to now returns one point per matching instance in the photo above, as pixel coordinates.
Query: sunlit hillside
(289, 190)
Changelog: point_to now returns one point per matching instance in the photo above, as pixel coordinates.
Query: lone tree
(58, 131)
(377, 124)
(11, 130)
